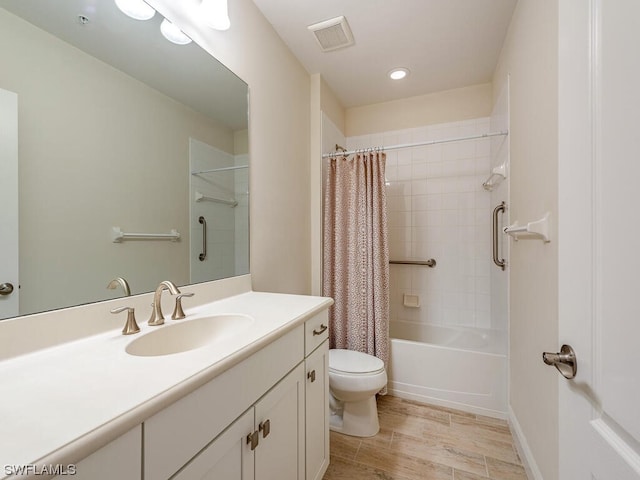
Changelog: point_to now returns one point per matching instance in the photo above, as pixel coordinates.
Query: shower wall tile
(436, 208)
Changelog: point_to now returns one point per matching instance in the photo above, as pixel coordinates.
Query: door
(317, 412)
(280, 425)
(599, 238)
(8, 204)
(228, 457)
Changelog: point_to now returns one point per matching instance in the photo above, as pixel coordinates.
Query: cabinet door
(280, 422)
(228, 457)
(317, 412)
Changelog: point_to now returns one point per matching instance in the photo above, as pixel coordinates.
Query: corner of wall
(524, 451)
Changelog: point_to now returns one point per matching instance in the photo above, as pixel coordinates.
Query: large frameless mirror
(125, 142)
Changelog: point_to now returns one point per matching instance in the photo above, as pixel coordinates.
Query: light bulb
(173, 33)
(216, 14)
(137, 9)
(398, 73)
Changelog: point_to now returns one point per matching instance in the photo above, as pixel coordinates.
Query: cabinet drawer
(174, 435)
(316, 331)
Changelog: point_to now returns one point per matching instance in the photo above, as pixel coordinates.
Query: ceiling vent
(332, 34)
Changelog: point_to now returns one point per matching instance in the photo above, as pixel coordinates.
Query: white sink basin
(184, 335)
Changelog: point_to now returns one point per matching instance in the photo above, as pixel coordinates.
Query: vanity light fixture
(173, 33)
(216, 14)
(137, 9)
(398, 73)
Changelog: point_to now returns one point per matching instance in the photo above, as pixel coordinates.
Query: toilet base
(358, 419)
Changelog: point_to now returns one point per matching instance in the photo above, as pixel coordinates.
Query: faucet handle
(178, 312)
(131, 326)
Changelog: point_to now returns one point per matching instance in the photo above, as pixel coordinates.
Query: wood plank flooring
(425, 442)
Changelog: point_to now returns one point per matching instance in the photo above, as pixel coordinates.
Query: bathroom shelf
(203, 198)
(118, 236)
(538, 230)
(498, 174)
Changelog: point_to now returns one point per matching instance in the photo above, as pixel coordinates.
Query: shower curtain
(356, 254)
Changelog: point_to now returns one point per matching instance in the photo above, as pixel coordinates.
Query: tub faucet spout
(157, 317)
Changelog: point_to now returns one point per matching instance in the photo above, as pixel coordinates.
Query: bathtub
(459, 368)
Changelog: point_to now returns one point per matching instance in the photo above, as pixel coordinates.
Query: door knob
(565, 361)
(6, 288)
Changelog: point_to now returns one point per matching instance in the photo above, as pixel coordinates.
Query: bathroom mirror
(119, 130)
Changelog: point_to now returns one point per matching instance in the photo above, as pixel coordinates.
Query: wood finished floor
(425, 442)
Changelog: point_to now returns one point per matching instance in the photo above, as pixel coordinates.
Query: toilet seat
(350, 362)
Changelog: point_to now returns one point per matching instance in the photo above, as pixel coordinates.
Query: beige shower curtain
(356, 254)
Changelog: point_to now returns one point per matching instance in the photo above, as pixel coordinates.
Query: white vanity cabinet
(175, 435)
(317, 396)
(265, 418)
(247, 402)
(285, 434)
(265, 443)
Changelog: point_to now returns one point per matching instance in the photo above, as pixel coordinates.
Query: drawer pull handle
(312, 376)
(252, 439)
(323, 328)
(265, 428)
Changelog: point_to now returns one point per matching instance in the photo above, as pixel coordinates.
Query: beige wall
(530, 57)
(278, 138)
(440, 107)
(331, 106)
(97, 149)
(324, 104)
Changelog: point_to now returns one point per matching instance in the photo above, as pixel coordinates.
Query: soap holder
(411, 301)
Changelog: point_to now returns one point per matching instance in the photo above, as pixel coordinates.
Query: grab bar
(501, 263)
(429, 263)
(203, 255)
(118, 236)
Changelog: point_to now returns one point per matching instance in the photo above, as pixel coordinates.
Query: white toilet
(354, 380)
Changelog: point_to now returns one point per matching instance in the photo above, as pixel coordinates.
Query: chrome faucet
(113, 284)
(157, 317)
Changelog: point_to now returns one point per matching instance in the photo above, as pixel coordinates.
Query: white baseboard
(529, 463)
(409, 392)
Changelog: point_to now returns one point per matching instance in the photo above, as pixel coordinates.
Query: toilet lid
(349, 361)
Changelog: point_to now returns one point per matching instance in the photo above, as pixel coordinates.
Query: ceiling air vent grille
(332, 34)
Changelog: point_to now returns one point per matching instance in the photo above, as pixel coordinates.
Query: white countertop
(58, 403)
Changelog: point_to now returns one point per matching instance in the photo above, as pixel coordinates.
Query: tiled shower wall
(438, 209)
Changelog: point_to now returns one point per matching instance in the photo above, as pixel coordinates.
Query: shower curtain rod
(420, 144)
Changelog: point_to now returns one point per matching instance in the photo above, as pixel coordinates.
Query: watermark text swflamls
(45, 469)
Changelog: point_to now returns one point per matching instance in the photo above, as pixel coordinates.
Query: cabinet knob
(312, 376)
(265, 428)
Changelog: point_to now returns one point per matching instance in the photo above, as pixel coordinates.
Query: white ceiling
(444, 43)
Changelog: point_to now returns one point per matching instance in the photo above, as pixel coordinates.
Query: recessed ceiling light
(398, 73)
(216, 14)
(137, 9)
(173, 33)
